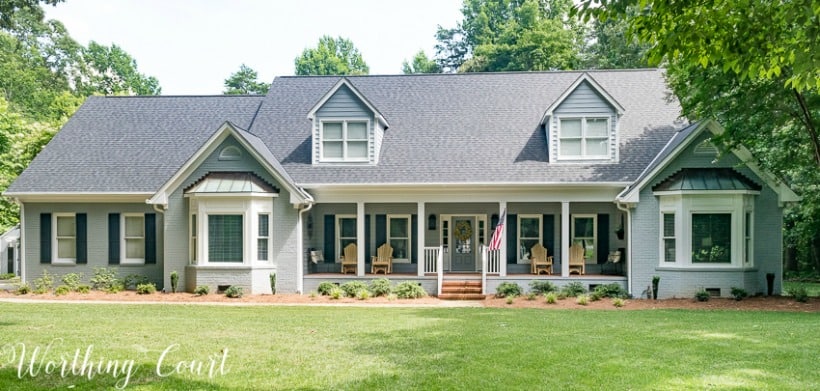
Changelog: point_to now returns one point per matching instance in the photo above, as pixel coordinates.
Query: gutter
(624, 208)
(300, 245)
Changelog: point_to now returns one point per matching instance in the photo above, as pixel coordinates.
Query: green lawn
(353, 348)
(813, 288)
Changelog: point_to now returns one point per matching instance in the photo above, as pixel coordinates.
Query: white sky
(193, 46)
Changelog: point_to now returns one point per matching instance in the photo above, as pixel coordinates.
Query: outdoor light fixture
(431, 222)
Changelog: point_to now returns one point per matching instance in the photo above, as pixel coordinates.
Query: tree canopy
(420, 64)
(331, 57)
(245, 82)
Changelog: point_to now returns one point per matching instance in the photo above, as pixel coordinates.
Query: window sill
(669, 268)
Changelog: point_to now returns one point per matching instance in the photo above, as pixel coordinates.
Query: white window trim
(344, 140)
(594, 217)
(526, 259)
(266, 238)
(193, 224)
(55, 254)
(123, 242)
(247, 206)
(339, 248)
(583, 155)
(663, 237)
(749, 248)
(409, 237)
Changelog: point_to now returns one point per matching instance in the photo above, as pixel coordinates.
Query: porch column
(360, 238)
(565, 239)
(421, 222)
(502, 258)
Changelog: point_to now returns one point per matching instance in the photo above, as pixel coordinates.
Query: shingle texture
(463, 128)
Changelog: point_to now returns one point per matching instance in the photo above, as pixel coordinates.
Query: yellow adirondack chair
(539, 261)
(576, 259)
(350, 261)
(383, 260)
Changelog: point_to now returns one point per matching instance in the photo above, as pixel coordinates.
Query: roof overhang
(112, 197)
(585, 77)
(345, 82)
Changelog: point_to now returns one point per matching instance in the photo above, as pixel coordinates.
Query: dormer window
(584, 138)
(345, 141)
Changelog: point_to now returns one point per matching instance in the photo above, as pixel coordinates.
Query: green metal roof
(707, 179)
(231, 182)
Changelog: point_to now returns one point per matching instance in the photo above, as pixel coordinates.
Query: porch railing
(439, 269)
(431, 258)
(493, 265)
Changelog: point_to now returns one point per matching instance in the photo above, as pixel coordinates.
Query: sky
(193, 46)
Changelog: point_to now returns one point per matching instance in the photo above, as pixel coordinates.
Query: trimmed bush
(336, 293)
(611, 290)
(83, 288)
(380, 287)
(325, 288)
(146, 289)
(23, 289)
(739, 293)
(618, 302)
(134, 280)
(573, 289)
(7, 276)
(409, 290)
(582, 300)
(72, 280)
(542, 287)
(702, 295)
(532, 296)
(234, 292)
(174, 281)
(202, 290)
(104, 278)
(551, 298)
(363, 294)
(510, 299)
(62, 290)
(43, 283)
(507, 289)
(350, 288)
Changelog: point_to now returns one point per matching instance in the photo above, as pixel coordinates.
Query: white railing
(493, 265)
(431, 258)
(439, 269)
(484, 251)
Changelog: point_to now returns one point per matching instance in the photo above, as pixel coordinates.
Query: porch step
(460, 290)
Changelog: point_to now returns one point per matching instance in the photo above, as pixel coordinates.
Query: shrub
(202, 290)
(561, 296)
(739, 293)
(146, 289)
(116, 288)
(510, 299)
(532, 296)
(409, 290)
(351, 287)
(799, 293)
(23, 289)
(104, 278)
(507, 289)
(363, 294)
(611, 290)
(336, 293)
(234, 292)
(72, 280)
(273, 283)
(618, 302)
(551, 297)
(582, 300)
(83, 288)
(380, 287)
(392, 297)
(174, 281)
(134, 280)
(573, 289)
(62, 290)
(541, 287)
(7, 276)
(595, 296)
(43, 283)
(325, 288)
(702, 295)
(313, 294)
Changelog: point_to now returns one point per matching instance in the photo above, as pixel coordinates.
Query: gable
(593, 116)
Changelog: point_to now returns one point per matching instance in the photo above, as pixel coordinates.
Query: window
(225, 238)
(263, 238)
(194, 228)
(230, 153)
(445, 233)
(668, 237)
(747, 245)
(584, 228)
(398, 235)
(344, 141)
(133, 241)
(529, 233)
(583, 138)
(711, 238)
(66, 238)
(345, 231)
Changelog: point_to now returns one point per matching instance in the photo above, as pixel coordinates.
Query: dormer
(347, 128)
(582, 124)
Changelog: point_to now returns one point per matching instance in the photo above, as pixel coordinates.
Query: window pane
(669, 250)
(263, 225)
(526, 247)
(357, 149)
(571, 147)
(225, 238)
(597, 147)
(668, 224)
(530, 228)
(399, 248)
(66, 226)
(66, 248)
(357, 131)
(135, 248)
(570, 128)
(332, 149)
(134, 226)
(347, 228)
(596, 127)
(262, 249)
(398, 227)
(584, 227)
(332, 131)
(711, 238)
(193, 226)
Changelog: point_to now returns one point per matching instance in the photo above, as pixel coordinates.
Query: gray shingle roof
(463, 128)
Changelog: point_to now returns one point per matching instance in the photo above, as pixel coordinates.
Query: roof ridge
(568, 71)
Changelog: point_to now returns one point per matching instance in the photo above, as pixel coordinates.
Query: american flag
(495, 242)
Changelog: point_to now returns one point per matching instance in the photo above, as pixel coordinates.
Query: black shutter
(381, 230)
(150, 238)
(512, 238)
(330, 239)
(414, 239)
(367, 238)
(113, 238)
(45, 237)
(548, 223)
(81, 221)
(603, 238)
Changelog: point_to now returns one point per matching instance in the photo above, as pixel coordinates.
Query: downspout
(300, 247)
(622, 207)
(21, 253)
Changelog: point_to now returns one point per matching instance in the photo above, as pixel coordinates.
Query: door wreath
(464, 231)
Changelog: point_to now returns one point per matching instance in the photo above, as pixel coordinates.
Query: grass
(813, 288)
(319, 348)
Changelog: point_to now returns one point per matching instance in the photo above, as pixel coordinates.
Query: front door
(463, 237)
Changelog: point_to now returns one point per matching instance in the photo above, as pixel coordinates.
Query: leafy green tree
(9, 7)
(610, 46)
(511, 35)
(331, 57)
(421, 64)
(112, 71)
(244, 82)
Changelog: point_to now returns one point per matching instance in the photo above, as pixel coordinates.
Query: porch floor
(465, 276)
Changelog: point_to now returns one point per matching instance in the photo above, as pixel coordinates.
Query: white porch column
(360, 238)
(565, 239)
(421, 223)
(502, 261)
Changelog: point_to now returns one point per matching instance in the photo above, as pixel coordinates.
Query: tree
(610, 46)
(112, 71)
(331, 57)
(421, 64)
(9, 7)
(244, 81)
(511, 35)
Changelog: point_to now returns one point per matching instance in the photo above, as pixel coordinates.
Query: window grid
(747, 245)
(345, 140)
(263, 238)
(66, 236)
(398, 235)
(345, 232)
(225, 238)
(584, 232)
(584, 137)
(711, 238)
(668, 234)
(529, 233)
(193, 239)
(134, 238)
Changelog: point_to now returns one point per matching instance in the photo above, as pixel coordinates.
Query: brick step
(461, 290)
(471, 289)
(461, 296)
(461, 283)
